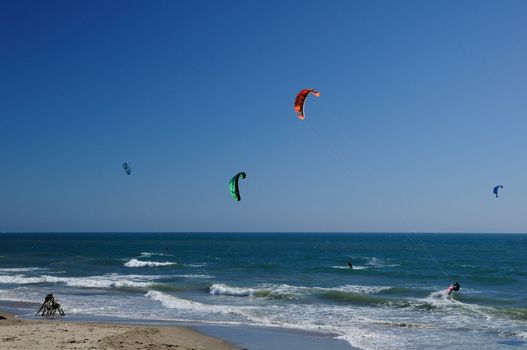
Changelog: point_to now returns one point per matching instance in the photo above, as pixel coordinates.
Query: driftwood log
(50, 307)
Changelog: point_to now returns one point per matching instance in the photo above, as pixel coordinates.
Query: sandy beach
(57, 334)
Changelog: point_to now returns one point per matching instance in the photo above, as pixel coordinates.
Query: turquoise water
(393, 298)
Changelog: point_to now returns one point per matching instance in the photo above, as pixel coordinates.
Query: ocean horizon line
(266, 232)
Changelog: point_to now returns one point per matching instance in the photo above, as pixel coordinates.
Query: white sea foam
(196, 265)
(363, 327)
(20, 279)
(379, 263)
(288, 291)
(361, 289)
(465, 312)
(172, 302)
(147, 254)
(373, 262)
(192, 276)
(150, 254)
(100, 282)
(353, 327)
(370, 339)
(222, 289)
(285, 289)
(19, 269)
(138, 263)
(355, 267)
(104, 281)
(18, 295)
(439, 299)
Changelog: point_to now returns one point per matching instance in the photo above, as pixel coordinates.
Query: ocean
(393, 298)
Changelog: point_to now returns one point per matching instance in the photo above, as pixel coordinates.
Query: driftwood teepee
(49, 307)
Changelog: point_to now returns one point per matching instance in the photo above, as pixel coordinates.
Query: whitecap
(222, 289)
(104, 281)
(193, 276)
(288, 291)
(362, 289)
(19, 269)
(355, 267)
(172, 302)
(20, 279)
(196, 265)
(138, 263)
(150, 254)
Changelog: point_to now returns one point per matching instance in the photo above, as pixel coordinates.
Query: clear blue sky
(423, 109)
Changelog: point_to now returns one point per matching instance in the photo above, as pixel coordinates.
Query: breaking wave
(193, 276)
(19, 269)
(150, 254)
(355, 267)
(105, 281)
(222, 289)
(285, 291)
(138, 263)
(196, 265)
(172, 302)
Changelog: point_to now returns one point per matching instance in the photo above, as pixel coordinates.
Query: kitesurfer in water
(350, 264)
(454, 287)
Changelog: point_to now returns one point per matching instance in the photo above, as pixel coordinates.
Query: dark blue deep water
(393, 298)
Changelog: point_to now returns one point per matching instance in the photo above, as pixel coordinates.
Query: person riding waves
(454, 287)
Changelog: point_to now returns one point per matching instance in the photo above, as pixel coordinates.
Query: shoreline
(111, 333)
(59, 334)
